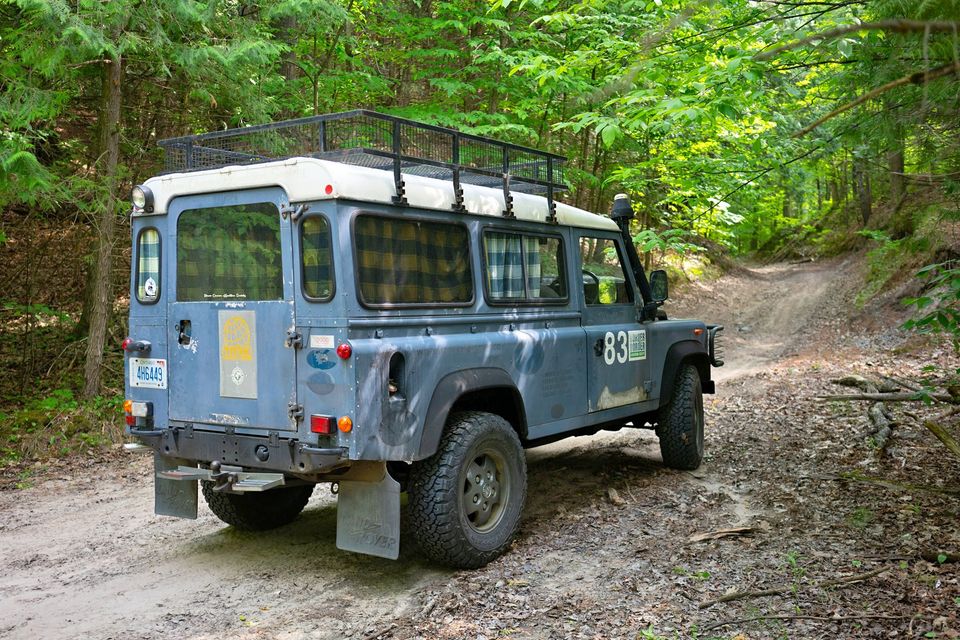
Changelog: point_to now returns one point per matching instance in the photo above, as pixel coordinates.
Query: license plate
(148, 372)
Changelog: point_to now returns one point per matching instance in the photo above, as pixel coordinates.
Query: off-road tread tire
(435, 521)
(680, 445)
(257, 511)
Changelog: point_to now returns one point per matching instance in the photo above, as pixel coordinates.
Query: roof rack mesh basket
(370, 139)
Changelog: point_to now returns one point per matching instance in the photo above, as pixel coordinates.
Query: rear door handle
(183, 330)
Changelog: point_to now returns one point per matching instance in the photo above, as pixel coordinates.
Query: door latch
(294, 339)
(295, 411)
(598, 347)
(183, 332)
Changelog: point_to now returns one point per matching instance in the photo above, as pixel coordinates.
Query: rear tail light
(138, 413)
(321, 424)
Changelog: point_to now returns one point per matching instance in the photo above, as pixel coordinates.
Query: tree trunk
(287, 33)
(861, 186)
(101, 296)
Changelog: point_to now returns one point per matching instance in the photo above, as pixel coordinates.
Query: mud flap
(368, 513)
(175, 498)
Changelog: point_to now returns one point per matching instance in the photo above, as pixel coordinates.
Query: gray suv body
(342, 306)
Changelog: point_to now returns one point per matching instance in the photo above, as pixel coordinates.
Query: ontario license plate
(148, 372)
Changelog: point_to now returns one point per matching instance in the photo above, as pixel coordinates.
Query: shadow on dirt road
(83, 555)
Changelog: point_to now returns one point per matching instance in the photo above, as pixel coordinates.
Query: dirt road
(604, 550)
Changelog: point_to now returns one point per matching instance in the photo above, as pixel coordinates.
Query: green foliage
(939, 308)
(887, 260)
(57, 424)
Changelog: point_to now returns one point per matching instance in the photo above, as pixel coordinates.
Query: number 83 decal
(623, 346)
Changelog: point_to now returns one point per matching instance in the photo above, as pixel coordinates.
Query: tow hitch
(226, 478)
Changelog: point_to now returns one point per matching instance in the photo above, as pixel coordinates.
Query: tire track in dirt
(84, 557)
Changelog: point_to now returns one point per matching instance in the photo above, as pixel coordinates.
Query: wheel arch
(679, 354)
(482, 389)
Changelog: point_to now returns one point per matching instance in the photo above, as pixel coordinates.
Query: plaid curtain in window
(148, 264)
(229, 252)
(317, 276)
(531, 254)
(412, 262)
(504, 265)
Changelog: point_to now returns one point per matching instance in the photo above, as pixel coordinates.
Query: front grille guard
(714, 345)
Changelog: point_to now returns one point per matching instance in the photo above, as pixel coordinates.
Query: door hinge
(294, 211)
(294, 339)
(295, 411)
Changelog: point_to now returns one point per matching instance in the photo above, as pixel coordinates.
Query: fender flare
(686, 351)
(450, 389)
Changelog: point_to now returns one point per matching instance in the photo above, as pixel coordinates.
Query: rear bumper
(250, 452)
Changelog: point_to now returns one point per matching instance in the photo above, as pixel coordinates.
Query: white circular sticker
(237, 375)
(150, 288)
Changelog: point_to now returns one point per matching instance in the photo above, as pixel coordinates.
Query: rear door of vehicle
(617, 364)
(230, 309)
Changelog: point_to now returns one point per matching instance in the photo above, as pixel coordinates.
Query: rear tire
(257, 511)
(680, 422)
(465, 500)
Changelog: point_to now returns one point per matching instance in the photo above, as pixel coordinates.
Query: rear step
(228, 478)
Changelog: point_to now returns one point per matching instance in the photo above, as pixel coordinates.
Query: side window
(524, 268)
(412, 262)
(317, 267)
(148, 266)
(604, 280)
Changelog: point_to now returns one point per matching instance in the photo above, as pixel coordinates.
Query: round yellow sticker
(236, 340)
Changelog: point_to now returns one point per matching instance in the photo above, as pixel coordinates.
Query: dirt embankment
(607, 547)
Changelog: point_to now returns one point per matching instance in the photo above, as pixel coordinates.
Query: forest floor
(847, 542)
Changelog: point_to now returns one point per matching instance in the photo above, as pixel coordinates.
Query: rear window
(412, 262)
(148, 266)
(229, 253)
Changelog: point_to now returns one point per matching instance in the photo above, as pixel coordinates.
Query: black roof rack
(371, 139)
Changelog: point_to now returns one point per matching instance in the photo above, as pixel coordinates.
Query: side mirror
(658, 285)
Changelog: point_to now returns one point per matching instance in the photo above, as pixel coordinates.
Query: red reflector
(328, 189)
(131, 420)
(344, 350)
(126, 343)
(321, 424)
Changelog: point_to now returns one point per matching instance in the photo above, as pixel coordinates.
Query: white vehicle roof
(310, 179)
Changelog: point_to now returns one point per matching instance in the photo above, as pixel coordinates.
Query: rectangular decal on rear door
(238, 354)
(638, 345)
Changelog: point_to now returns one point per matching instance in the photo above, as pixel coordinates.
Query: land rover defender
(387, 306)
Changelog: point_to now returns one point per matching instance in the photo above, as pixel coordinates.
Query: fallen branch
(940, 557)
(740, 595)
(878, 415)
(896, 396)
(381, 632)
(896, 486)
(944, 436)
(721, 533)
(862, 616)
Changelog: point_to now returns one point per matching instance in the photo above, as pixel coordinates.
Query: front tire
(465, 500)
(257, 511)
(680, 422)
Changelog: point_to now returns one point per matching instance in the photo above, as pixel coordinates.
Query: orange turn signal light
(698, 332)
(128, 406)
(345, 424)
